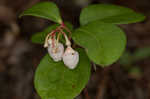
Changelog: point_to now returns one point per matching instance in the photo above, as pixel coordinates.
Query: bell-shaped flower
(70, 58)
(56, 51)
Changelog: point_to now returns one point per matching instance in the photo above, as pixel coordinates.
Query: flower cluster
(70, 57)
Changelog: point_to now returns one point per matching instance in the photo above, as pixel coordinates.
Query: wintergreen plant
(65, 72)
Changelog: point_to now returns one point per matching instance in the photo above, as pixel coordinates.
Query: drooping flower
(56, 51)
(70, 58)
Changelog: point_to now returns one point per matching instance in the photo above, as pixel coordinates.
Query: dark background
(19, 57)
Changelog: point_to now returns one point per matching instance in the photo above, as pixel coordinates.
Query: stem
(60, 30)
(68, 43)
(63, 24)
(47, 37)
(67, 29)
(58, 37)
(46, 40)
(86, 95)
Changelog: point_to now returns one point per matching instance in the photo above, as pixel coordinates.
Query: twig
(103, 83)
(86, 95)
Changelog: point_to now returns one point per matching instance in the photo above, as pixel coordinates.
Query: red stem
(59, 29)
(63, 24)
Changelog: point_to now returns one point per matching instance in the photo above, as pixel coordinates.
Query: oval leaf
(40, 37)
(104, 43)
(47, 10)
(55, 81)
(110, 14)
(141, 53)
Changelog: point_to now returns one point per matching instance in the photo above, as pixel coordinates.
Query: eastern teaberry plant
(100, 39)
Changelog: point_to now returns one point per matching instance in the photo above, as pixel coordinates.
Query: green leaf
(103, 42)
(141, 53)
(40, 37)
(126, 58)
(53, 80)
(110, 14)
(47, 10)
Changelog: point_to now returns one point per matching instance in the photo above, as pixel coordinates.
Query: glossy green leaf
(40, 37)
(110, 14)
(53, 80)
(47, 10)
(104, 43)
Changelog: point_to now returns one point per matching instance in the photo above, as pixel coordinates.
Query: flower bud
(56, 51)
(71, 58)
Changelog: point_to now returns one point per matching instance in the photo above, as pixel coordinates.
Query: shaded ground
(19, 57)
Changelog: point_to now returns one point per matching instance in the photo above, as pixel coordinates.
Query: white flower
(56, 51)
(70, 58)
